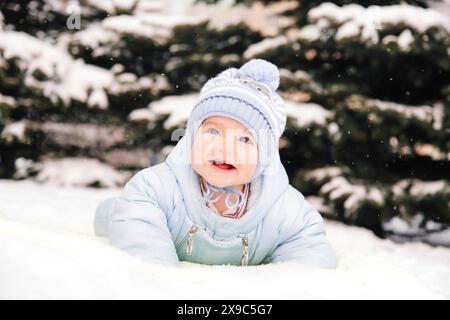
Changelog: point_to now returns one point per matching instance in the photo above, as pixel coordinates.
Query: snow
(304, 114)
(334, 131)
(48, 250)
(125, 24)
(405, 39)
(78, 172)
(15, 130)
(310, 33)
(82, 135)
(129, 82)
(177, 107)
(177, 6)
(95, 36)
(439, 238)
(299, 76)
(432, 151)
(398, 225)
(23, 167)
(68, 78)
(112, 6)
(417, 230)
(155, 26)
(6, 100)
(423, 113)
(150, 6)
(62, 7)
(262, 47)
(373, 194)
(339, 187)
(319, 204)
(389, 39)
(267, 20)
(142, 115)
(349, 30)
(412, 227)
(356, 21)
(291, 37)
(98, 98)
(323, 173)
(443, 6)
(438, 115)
(420, 189)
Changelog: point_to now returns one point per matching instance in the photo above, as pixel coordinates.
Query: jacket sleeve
(139, 225)
(307, 243)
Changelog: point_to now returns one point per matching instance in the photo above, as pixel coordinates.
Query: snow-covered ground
(48, 250)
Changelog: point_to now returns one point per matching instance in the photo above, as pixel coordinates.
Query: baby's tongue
(224, 166)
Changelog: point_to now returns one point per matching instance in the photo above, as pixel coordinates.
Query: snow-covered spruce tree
(186, 50)
(390, 130)
(382, 70)
(52, 105)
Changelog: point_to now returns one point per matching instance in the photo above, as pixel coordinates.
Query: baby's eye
(244, 139)
(213, 131)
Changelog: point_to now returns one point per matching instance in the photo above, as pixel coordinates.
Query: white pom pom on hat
(262, 71)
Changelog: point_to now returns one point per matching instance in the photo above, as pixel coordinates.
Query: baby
(222, 196)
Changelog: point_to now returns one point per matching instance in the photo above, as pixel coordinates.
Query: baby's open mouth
(222, 165)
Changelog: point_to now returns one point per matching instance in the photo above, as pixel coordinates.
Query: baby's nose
(226, 149)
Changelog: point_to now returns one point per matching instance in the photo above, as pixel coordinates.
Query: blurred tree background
(92, 90)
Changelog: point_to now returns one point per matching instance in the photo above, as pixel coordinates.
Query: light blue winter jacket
(160, 217)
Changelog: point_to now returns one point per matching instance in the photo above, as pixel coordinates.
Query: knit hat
(248, 96)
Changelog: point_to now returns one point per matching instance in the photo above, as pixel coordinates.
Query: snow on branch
(356, 22)
(53, 71)
(355, 194)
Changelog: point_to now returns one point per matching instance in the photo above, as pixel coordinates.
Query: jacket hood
(274, 182)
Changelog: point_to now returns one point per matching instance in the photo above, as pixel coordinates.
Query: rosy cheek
(207, 138)
(196, 157)
(247, 157)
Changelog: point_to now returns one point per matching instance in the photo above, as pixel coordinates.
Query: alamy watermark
(73, 22)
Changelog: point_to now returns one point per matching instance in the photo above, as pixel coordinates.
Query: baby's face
(224, 140)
